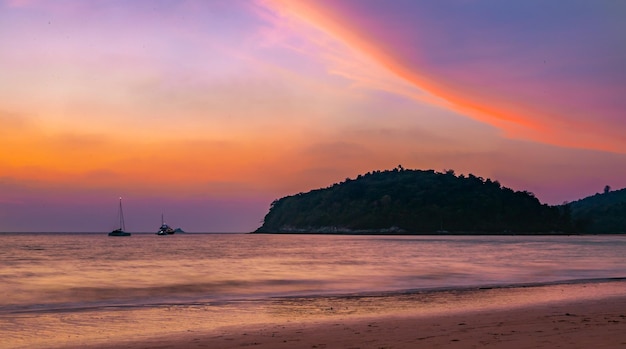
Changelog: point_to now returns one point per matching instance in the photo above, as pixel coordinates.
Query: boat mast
(122, 227)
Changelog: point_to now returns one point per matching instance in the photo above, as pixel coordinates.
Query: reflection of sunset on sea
(211, 110)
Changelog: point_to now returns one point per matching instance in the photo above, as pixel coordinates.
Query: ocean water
(64, 271)
(53, 284)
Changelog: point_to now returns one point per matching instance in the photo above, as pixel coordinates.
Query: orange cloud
(518, 118)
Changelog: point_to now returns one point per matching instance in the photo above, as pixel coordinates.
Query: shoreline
(567, 315)
(458, 290)
(597, 323)
(387, 232)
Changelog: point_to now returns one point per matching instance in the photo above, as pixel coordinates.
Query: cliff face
(413, 201)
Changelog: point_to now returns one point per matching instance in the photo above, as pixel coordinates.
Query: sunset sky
(207, 111)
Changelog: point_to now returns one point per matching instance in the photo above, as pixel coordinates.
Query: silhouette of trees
(416, 201)
(601, 213)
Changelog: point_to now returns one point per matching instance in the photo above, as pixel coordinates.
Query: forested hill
(414, 201)
(601, 213)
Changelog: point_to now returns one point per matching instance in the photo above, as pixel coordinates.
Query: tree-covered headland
(404, 201)
(602, 213)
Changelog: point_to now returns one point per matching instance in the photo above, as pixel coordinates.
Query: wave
(193, 299)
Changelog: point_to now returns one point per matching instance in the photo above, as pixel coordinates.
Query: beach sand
(587, 324)
(598, 324)
(576, 315)
(562, 316)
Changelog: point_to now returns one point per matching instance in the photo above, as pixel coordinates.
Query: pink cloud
(547, 77)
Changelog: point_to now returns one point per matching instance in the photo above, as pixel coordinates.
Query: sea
(60, 288)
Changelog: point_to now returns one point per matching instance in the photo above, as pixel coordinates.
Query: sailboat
(120, 231)
(165, 229)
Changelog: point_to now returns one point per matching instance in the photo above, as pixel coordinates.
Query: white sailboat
(165, 229)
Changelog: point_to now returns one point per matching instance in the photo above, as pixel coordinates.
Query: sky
(207, 111)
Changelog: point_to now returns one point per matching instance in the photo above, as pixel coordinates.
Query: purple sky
(207, 111)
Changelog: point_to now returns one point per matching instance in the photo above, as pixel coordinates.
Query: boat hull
(119, 232)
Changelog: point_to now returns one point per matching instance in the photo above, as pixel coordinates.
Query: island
(406, 201)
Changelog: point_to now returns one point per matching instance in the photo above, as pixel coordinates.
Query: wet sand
(588, 324)
(591, 324)
(569, 316)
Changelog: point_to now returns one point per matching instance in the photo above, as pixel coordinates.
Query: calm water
(65, 272)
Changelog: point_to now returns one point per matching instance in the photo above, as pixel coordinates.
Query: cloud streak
(538, 71)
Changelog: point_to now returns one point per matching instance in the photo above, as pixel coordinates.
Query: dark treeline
(601, 213)
(415, 201)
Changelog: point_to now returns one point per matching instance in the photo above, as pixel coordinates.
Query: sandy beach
(597, 324)
(504, 318)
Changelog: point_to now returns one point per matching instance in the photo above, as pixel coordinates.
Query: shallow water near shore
(89, 287)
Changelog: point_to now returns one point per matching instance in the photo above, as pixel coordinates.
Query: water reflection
(77, 270)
